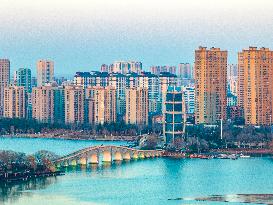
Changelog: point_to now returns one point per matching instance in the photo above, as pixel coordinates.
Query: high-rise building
(102, 79)
(232, 78)
(94, 78)
(232, 85)
(14, 102)
(148, 81)
(210, 85)
(74, 104)
(232, 71)
(231, 100)
(166, 79)
(59, 104)
(235, 113)
(4, 81)
(184, 71)
(255, 85)
(13, 81)
(60, 80)
(43, 104)
(240, 80)
(163, 69)
(136, 106)
(155, 70)
(101, 104)
(33, 82)
(125, 67)
(153, 93)
(118, 81)
(135, 67)
(84, 79)
(104, 68)
(111, 68)
(24, 79)
(189, 97)
(121, 67)
(133, 81)
(173, 115)
(45, 72)
(184, 75)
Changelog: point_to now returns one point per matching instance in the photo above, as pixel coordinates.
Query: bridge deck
(87, 150)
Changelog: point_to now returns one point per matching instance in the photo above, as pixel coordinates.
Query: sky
(80, 35)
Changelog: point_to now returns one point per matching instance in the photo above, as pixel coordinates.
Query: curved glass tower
(173, 117)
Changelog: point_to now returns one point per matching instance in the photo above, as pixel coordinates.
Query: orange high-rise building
(45, 72)
(101, 104)
(210, 85)
(4, 81)
(43, 104)
(74, 104)
(255, 85)
(15, 102)
(137, 106)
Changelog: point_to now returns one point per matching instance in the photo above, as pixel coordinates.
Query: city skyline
(87, 34)
(152, 102)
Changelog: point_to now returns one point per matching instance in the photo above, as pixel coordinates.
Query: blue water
(58, 146)
(148, 181)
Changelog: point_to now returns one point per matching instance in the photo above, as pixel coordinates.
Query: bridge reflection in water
(92, 155)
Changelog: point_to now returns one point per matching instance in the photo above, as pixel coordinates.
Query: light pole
(270, 124)
(221, 120)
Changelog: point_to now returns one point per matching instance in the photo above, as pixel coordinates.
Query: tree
(271, 145)
(148, 142)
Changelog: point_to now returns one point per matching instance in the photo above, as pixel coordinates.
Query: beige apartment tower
(74, 104)
(255, 85)
(15, 102)
(4, 81)
(101, 104)
(210, 85)
(137, 106)
(45, 72)
(43, 104)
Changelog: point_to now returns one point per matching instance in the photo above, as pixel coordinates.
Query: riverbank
(25, 176)
(244, 151)
(74, 137)
(229, 154)
(109, 139)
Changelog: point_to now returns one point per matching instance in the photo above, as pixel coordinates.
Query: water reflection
(151, 181)
(102, 167)
(13, 192)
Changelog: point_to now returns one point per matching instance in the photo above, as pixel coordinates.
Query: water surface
(59, 146)
(148, 181)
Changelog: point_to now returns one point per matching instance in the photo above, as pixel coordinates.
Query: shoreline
(10, 178)
(245, 151)
(127, 139)
(41, 136)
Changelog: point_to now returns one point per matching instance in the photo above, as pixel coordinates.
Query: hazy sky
(83, 34)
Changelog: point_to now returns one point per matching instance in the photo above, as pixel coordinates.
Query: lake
(149, 181)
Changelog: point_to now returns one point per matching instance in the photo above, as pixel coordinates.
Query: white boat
(232, 156)
(222, 156)
(244, 156)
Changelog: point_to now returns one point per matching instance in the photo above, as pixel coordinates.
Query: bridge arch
(92, 155)
(118, 156)
(106, 156)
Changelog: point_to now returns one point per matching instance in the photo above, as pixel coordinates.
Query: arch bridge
(92, 155)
